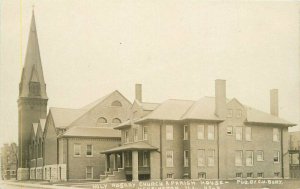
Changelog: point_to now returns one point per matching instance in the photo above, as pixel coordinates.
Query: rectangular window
(238, 113)
(169, 175)
(211, 132)
(239, 175)
(186, 158)
(200, 131)
(201, 157)
(249, 175)
(238, 133)
(276, 157)
(248, 134)
(229, 113)
(239, 158)
(169, 159)
(260, 155)
(202, 175)
(210, 157)
(275, 134)
(260, 175)
(229, 131)
(145, 159)
(185, 133)
(169, 132)
(89, 172)
(77, 150)
(249, 158)
(145, 133)
(126, 135)
(135, 135)
(89, 150)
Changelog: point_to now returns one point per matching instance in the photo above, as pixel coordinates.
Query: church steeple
(32, 102)
(32, 81)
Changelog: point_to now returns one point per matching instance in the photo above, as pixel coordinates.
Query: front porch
(131, 162)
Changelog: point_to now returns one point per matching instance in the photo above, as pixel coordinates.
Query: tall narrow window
(201, 157)
(89, 150)
(169, 159)
(275, 134)
(77, 150)
(260, 155)
(126, 136)
(89, 172)
(249, 158)
(276, 157)
(229, 113)
(238, 158)
(238, 133)
(211, 132)
(210, 157)
(185, 133)
(145, 159)
(200, 131)
(248, 134)
(169, 132)
(145, 133)
(186, 158)
(238, 113)
(135, 135)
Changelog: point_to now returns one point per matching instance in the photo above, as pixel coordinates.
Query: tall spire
(33, 67)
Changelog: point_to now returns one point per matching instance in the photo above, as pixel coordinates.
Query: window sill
(89, 156)
(77, 156)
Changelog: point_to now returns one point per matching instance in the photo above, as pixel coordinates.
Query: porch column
(135, 166)
(123, 160)
(107, 165)
(116, 162)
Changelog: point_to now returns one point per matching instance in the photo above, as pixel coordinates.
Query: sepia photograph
(129, 94)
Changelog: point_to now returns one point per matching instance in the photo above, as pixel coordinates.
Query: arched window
(116, 120)
(101, 120)
(116, 103)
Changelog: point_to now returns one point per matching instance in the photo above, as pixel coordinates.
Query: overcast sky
(176, 49)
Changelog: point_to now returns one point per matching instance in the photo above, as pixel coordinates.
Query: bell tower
(32, 102)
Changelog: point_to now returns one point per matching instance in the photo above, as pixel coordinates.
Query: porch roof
(130, 147)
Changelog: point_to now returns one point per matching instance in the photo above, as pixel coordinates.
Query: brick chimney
(220, 98)
(138, 92)
(274, 102)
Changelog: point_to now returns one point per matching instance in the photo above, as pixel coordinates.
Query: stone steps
(115, 175)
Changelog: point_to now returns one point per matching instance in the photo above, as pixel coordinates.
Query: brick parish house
(212, 138)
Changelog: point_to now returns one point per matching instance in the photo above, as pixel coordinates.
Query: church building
(63, 144)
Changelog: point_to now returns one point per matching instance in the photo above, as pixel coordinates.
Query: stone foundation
(23, 174)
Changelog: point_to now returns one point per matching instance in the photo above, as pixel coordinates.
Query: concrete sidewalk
(43, 185)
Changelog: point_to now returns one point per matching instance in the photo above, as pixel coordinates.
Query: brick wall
(77, 165)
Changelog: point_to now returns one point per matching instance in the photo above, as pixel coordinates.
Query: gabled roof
(35, 127)
(257, 116)
(172, 109)
(42, 123)
(100, 132)
(63, 117)
(147, 106)
(203, 109)
(96, 102)
(131, 146)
